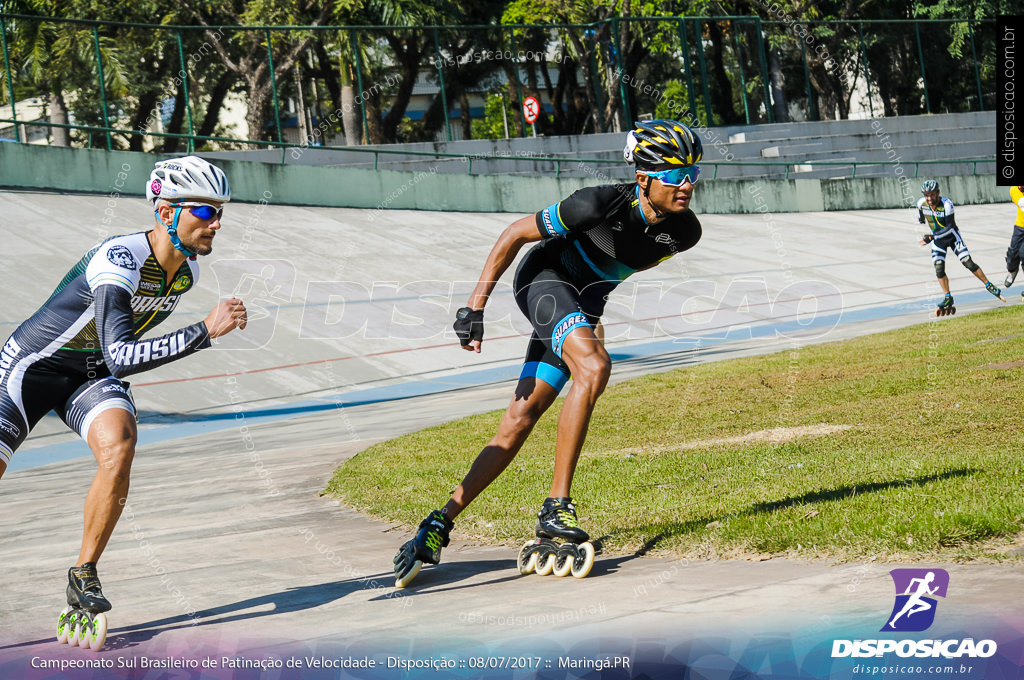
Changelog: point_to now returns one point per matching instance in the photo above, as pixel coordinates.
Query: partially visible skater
(1015, 253)
(937, 212)
(73, 355)
(590, 242)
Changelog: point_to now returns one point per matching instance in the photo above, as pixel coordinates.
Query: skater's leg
(591, 367)
(939, 262)
(112, 438)
(1017, 244)
(977, 272)
(532, 398)
(1014, 255)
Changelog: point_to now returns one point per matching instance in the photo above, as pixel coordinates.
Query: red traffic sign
(531, 109)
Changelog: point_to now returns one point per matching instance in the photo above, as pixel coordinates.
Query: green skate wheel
(563, 563)
(75, 627)
(87, 629)
(546, 563)
(529, 563)
(583, 566)
(63, 625)
(98, 632)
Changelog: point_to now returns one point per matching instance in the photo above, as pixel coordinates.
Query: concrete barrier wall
(95, 171)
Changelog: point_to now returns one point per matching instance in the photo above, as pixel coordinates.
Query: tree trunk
(779, 104)
(351, 113)
(513, 94)
(590, 85)
(258, 112)
(328, 74)
(217, 96)
(467, 119)
(556, 122)
(59, 114)
(171, 143)
(409, 59)
(373, 129)
(305, 133)
(721, 94)
(561, 126)
(148, 105)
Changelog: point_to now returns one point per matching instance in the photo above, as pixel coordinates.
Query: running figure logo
(914, 610)
(265, 286)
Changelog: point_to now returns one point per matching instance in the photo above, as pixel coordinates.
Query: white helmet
(188, 177)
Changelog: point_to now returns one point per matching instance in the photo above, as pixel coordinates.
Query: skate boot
(82, 622)
(946, 307)
(991, 287)
(557, 520)
(1010, 277)
(425, 547)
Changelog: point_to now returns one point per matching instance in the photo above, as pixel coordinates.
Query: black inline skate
(82, 622)
(557, 520)
(425, 547)
(994, 290)
(946, 307)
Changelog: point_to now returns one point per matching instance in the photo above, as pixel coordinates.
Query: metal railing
(720, 72)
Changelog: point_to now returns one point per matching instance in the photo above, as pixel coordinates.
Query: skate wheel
(63, 625)
(546, 563)
(74, 628)
(99, 632)
(87, 631)
(563, 563)
(407, 579)
(528, 562)
(583, 566)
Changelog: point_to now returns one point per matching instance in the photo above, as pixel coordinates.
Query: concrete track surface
(227, 562)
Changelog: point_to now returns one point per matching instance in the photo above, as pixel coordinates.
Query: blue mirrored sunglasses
(674, 177)
(203, 211)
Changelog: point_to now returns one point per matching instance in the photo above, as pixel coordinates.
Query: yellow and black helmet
(662, 142)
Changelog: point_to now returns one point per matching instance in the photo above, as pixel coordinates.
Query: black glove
(469, 325)
(927, 238)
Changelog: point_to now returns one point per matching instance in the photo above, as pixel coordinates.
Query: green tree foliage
(499, 116)
(595, 65)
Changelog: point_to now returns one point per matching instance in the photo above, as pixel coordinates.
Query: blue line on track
(165, 428)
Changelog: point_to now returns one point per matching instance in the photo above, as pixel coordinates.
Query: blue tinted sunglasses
(203, 211)
(674, 177)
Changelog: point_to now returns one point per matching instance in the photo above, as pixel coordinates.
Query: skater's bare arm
(511, 241)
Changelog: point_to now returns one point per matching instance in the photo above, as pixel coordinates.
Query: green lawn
(928, 467)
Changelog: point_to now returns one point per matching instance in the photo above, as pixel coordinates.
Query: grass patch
(922, 459)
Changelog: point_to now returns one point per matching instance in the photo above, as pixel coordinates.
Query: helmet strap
(647, 195)
(172, 231)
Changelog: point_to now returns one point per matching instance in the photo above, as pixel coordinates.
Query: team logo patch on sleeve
(122, 257)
